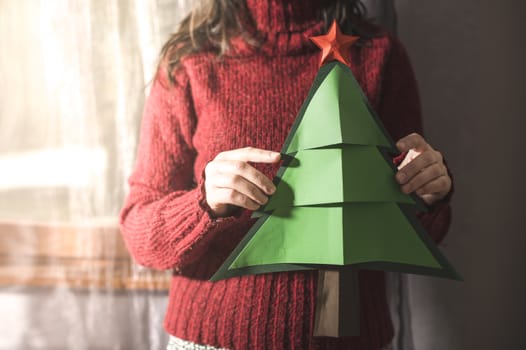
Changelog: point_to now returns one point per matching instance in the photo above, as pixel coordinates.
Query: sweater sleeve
(165, 220)
(401, 113)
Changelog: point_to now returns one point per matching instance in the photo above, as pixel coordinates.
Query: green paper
(337, 114)
(342, 235)
(337, 202)
(445, 270)
(337, 175)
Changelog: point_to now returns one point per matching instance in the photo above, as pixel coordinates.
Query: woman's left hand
(426, 173)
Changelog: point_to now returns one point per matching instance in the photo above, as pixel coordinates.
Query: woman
(227, 91)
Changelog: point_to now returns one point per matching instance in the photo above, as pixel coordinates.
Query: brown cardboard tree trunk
(337, 303)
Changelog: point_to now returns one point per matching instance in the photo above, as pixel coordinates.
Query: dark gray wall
(469, 60)
(382, 12)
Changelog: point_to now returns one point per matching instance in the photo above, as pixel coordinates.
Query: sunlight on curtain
(74, 76)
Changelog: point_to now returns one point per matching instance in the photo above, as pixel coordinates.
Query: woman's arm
(401, 113)
(165, 220)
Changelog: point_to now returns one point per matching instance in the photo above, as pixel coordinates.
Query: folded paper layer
(336, 235)
(337, 113)
(336, 175)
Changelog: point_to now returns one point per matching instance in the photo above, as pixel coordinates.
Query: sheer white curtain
(73, 78)
(73, 82)
(74, 75)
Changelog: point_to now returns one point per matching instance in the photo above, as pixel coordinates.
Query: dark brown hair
(212, 23)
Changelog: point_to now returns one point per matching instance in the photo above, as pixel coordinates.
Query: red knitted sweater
(250, 98)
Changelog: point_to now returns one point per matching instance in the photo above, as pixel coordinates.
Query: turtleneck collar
(283, 26)
(275, 16)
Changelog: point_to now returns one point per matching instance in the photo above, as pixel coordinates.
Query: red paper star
(335, 45)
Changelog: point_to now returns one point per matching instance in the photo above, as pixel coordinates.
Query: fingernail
(272, 189)
(401, 145)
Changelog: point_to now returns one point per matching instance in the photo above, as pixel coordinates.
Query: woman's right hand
(230, 181)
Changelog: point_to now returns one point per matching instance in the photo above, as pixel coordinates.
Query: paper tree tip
(334, 45)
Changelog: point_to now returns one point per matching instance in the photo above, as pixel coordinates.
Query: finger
(414, 167)
(250, 154)
(413, 140)
(423, 177)
(241, 185)
(438, 185)
(231, 196)
(235, 167)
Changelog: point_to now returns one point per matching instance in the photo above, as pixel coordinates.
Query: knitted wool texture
(251, 98)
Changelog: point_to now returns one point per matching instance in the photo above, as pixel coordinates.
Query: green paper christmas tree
(337, 206)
